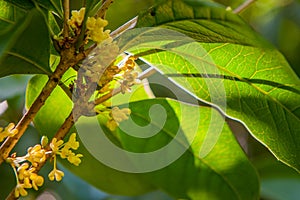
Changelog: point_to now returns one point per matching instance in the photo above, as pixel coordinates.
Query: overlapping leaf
(225, 168)
(231, 67)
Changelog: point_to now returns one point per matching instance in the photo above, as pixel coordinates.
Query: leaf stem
(243, 6)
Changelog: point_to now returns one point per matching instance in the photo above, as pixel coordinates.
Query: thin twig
(102, 10)
(128, 25)
(243, 6)
(66, 7)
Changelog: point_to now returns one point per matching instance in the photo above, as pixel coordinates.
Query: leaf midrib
(232, 74)
(29, 61)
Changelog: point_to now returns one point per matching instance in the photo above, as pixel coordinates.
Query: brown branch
(60, 134)
(68, 59)
(71, 119)
(66, 7)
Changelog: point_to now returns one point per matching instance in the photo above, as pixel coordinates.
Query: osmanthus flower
(94, 26)
(26, 178)
(95, 29)
(8, 131)
(29, 177)
(76, 18)
(20, 190)
(64, 150)
(36, 155)
(116, 116)
(56, 174)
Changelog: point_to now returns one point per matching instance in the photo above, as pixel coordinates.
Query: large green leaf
(225, 173)
(231, 67)
(25, 42)
(49, 119)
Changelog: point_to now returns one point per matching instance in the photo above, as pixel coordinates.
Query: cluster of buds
(64, 149)
(126, 77)
(8, 131)
(95, 29)
(25, 167)
(76, 18)
(95, 66)
(116, 116)
(27, 178)
(94, 26)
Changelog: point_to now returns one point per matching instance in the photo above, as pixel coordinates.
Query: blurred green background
(277, 20)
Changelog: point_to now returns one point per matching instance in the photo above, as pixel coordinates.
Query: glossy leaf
(225, 169)
(25, 43)
(231, 67)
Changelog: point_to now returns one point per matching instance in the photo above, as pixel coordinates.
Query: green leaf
(49, 119)
(231, 67)
(203, 24)
(225, 168)
(24, 4)
(25, 43)
(50, 5)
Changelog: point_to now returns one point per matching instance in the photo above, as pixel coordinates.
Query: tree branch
(66, 7)
(60, 134)
(67, 60)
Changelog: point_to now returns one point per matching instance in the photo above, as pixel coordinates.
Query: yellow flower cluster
(128, 76)
(64, 149)
(108, 76)
(27, 178)
(8, 131)
(94, 26)
(76, 18)
(95, 29)
(36, 155)
(26, 172)
(117, 115)
(129, 79)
